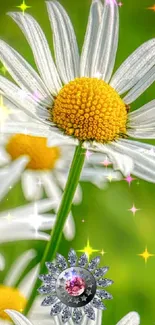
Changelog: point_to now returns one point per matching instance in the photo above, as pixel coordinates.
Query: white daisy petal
(29, 209)
(4, 157)
(16, 233)
(90, 37)
(140, 86)
(20, 264)
(65, 44)
(31, 189)
(45, 221)
(51, 188)
(30, 128)
(2, 262)
(120, 162)
(134, 67)
(23, 73)
(61, 139)
(142, 133)
(21, 99)
(69, 228)
(12, 175)
(143, 115)
(130, 319)
(107, 42)
(144, 162)
(40, 48)
(17, 318)
(28, 282)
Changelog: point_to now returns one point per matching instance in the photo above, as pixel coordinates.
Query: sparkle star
(152, 8)
(133, 210)
(8, 217)
(23, 7)
(102, 252)
(106, 162)
(146, 255)
(88, 154)
(120, 4)
(109, 177)
(88, 250)
(129, 179)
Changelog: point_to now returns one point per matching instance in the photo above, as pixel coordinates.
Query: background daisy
(29, 222)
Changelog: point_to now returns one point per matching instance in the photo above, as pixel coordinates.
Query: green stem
(64, 209)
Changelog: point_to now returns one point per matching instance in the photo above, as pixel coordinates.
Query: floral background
(104, 215)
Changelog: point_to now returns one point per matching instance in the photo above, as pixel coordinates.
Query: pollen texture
(10, 298)
(90, 109)
(41, 156)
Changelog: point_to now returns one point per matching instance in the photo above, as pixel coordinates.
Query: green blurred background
(108, 223)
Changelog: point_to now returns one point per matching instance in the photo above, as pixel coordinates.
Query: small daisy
(46, 168)
(15, 297)
(130, 319)
(30, 222)
(10, 174)
(78, 100)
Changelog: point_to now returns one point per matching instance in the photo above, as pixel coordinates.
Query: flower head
(78, 99)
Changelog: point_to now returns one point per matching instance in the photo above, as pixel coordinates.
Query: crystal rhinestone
(72, 257)
(104, 282)
(101, 271)
(61, 261)
(104, 294)
(75, 286)
(52, 268)
(83, 260)
(56, 309)
(97, 303)
(46, 289)
(89, 311)
(47, 278)
(77, 316)
(93, 263)
(49, 301)
(66, 314)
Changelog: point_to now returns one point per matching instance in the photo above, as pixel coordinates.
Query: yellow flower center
(10, 298)
(90, 109)
(41, 157)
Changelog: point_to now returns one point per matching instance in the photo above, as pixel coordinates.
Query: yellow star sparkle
(110, 178)
(152, 8)
(4, 111)
(88, 250)
(8, 217)
(146, 255)
(3, 70)
(23, 7)
(102, 252)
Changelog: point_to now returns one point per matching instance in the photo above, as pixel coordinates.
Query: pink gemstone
(75, 286)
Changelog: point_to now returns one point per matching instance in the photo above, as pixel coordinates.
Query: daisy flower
(78, 100)
(30, 222)
(131, 318)
(45, 168)
(13, 296)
